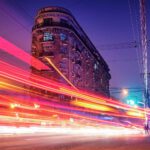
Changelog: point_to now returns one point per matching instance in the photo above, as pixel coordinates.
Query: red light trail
(20, 54)
(29, 110)
(46, 84)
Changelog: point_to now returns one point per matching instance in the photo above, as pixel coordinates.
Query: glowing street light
(125, 92)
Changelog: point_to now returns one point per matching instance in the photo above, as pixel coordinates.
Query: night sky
(110, 24)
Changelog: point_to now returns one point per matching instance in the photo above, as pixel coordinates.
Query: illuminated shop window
(48, 36)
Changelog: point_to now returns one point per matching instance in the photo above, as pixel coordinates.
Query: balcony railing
(70, 27)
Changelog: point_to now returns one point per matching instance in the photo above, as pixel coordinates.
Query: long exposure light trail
(10, 48)
(25, 81)
(49, 111)
(93, 106)
(63, 106)
(46, 111)
(58, 106)
(53, 88)
(23, 117)
(66, 91)
(72, 131)
(61, 74)
(17, 52)
(87, 118)
(84, 108)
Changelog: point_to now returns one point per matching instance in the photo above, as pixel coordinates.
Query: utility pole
(144, 47)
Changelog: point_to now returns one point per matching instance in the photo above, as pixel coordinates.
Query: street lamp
(125, 92)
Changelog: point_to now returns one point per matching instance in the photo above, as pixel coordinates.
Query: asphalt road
(72, 142)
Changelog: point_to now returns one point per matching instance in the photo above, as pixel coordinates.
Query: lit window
(40, 20)
(48, 36)
(63, 37)
(95, 66)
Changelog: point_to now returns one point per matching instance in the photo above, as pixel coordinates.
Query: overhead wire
(132, 9)
(14, 19)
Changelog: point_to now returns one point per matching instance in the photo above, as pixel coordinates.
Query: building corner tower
(57, 35)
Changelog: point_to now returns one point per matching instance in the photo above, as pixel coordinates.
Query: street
(72, 142)
(74, 75)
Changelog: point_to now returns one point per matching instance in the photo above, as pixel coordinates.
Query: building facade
(57, 35)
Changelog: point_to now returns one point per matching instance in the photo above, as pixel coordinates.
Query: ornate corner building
(57, 35)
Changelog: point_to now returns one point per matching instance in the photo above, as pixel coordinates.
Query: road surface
(72, 142)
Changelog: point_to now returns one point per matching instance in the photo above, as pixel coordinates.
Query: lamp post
(125, 92)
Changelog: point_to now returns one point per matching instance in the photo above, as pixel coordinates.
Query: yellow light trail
(60, 73)
(92, 106)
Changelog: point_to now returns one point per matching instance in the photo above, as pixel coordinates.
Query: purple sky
(106, 22)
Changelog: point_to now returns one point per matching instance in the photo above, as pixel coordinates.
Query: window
(101, 81)
(78, 62)
(63, 37)
(73, 74)
(78, 49)
(95, 66)
(76, 69)
(47, 52)
(63, 50)
(47, 21)
(77, 55)
(48, 36)
(63, 21)
(40, 20)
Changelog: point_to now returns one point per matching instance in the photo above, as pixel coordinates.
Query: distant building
(57, 35)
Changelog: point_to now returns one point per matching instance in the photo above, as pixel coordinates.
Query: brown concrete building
(57, 35)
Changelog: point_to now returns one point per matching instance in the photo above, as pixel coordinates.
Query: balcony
(57, 24)
(70, 27)
(60, 24)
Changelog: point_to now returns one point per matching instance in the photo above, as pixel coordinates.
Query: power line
(120, 46)
(14, 18)
(132, 12)
(116, 46)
